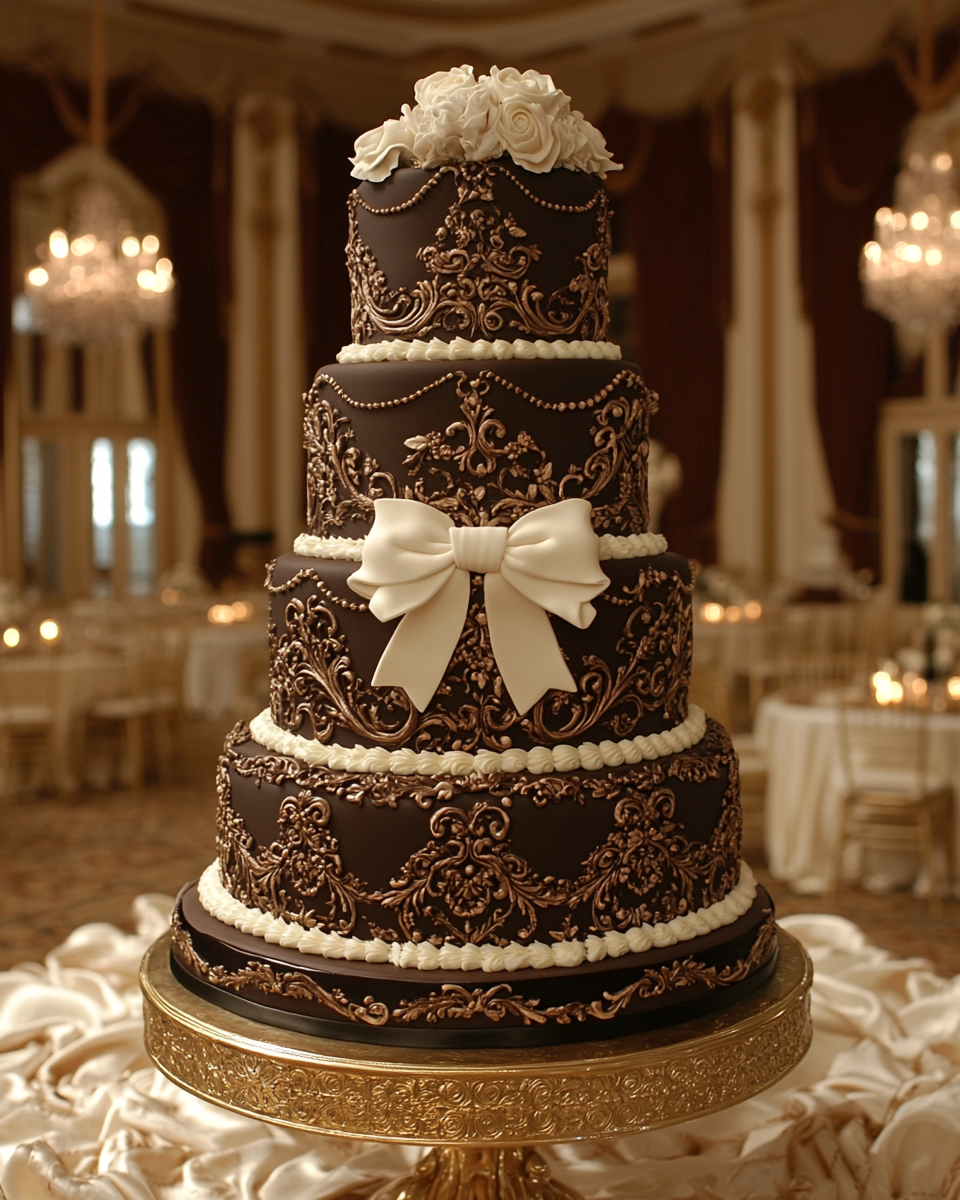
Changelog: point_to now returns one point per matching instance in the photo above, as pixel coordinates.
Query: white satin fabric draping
(417, 564)
(873, 1112)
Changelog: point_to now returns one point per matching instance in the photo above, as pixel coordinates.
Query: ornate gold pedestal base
(486, 1174)
(483, 1110)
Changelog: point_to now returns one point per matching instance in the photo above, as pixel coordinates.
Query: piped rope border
(634, 545)
(462, 349)
(540, 760)
(424, 956)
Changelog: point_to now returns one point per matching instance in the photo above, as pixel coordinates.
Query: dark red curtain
(325, 185)
(176, 149)
(675, 198)
(30, 136)
(849, 135)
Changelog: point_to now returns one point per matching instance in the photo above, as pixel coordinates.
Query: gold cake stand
(482, 1111)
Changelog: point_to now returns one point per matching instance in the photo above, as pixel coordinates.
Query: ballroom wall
(757, 143)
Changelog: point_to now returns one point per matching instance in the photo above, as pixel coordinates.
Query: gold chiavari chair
(27, 717)
(892, 801)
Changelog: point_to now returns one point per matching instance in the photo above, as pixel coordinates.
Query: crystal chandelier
(911, 271)
(100, 283)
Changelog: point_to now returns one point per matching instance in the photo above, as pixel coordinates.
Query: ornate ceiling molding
(353, 61)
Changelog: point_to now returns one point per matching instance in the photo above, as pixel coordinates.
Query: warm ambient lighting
(886, 690)
(169, 596)
(11, 637)
(227, 614)
(911, 270)
(953, 687)
(733, 613)
(753, 610)
(712, 612)
(101, 284)
(49, 630)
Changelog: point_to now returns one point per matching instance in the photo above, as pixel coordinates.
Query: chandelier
(100, 283)
(911, 270)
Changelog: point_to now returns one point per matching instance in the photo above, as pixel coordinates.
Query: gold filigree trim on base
(441, 1098)
(456, 1003)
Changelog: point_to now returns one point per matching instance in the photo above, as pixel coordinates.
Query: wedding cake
(479, 810)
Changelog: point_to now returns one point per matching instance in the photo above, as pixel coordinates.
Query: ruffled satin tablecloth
(873, 1111)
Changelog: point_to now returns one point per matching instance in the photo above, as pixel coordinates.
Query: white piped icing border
(461, 348)
(424, 956)
(634, 545)
(541, 759)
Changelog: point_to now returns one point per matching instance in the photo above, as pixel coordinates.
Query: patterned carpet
(68, 862)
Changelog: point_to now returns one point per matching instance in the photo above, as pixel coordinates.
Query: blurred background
(786, 269)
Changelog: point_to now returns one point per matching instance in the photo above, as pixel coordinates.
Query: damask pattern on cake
(467, 884)
(477, 470)
(478, 281)
(313, 674)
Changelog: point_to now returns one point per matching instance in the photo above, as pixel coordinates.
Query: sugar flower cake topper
(459, 118)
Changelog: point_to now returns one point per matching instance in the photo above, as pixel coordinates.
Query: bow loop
(417, 563)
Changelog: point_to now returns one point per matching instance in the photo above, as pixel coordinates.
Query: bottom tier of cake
(378, 1002)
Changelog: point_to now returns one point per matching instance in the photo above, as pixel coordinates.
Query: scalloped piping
(461, 348)
(633, 545)
(424, 956)
(539, 760)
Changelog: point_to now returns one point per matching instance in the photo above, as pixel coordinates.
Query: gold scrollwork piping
(262, 977)
(479, 266)
(467, 884)
(478, 472)
(313, 676)
(457, 1003)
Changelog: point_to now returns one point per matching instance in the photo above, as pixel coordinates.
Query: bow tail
(423, 643)
(524, 644)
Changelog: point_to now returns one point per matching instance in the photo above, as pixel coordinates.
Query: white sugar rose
(591, 153)
(509, 84)
(380, 151)
(529, 135)
(455, 118)
(458, 117)
(441, 84)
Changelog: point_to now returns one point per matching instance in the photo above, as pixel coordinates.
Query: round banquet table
(805, 786)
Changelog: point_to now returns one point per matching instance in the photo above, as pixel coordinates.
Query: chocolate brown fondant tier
(374, 1002)
(479, 859)
(484, 441)
(631, 665)
(481, 251)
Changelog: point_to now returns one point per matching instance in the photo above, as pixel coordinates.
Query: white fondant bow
(417, 563)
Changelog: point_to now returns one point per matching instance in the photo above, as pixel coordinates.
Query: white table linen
(806, 782)
(213, 674)
(73, 680)
(873, 1111)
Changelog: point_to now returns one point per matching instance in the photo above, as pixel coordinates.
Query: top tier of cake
(479, 250)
